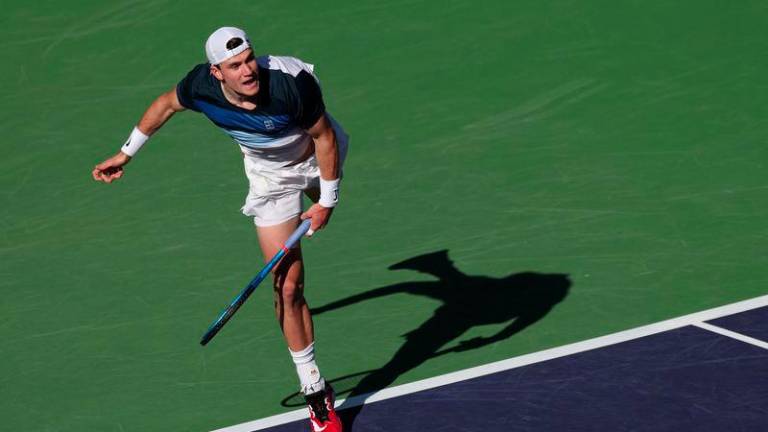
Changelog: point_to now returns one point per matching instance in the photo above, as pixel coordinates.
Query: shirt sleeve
(188, 88)
(310, 101)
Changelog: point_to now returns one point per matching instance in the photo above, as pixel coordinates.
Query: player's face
(239, 73)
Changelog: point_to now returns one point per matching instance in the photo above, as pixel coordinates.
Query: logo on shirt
(269, 125)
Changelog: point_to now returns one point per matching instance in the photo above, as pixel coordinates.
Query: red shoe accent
(322, 414)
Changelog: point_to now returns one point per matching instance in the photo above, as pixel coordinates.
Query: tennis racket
(246, 292)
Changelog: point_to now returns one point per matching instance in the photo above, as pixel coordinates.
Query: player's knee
(291, 293)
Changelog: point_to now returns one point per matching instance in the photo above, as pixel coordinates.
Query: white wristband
(134, 142)
(329, 193)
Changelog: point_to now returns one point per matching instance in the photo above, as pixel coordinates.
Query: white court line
(515, 362)
(732, 334)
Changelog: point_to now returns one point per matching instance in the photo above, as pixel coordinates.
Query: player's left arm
(327, 154)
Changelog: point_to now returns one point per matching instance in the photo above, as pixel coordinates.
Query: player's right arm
(162, 109)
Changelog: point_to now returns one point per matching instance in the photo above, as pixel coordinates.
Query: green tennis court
(620, 144)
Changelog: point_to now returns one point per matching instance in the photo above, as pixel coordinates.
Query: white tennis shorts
(275, 193)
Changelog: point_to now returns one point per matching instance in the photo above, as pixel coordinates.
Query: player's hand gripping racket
(246, 292)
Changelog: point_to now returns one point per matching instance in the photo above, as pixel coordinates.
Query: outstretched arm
(357, 298)
(165, 106)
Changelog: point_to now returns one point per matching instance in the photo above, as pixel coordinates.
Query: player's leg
(296, 322)
(275, 205)
(290, 306)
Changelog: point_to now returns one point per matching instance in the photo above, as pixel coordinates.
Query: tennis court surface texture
(552, 219)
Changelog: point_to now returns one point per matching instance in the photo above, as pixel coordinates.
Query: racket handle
(298, 234)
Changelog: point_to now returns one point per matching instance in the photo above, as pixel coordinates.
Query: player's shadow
(518, 300)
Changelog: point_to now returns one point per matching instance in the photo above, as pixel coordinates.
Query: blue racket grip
(298, 234)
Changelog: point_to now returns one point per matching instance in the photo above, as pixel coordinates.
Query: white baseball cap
(216, 45)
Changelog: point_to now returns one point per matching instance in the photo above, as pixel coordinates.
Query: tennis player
(273, 108)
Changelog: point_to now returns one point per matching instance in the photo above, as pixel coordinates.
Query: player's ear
(216, 72)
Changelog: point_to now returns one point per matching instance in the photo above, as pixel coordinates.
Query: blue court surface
(701, 372)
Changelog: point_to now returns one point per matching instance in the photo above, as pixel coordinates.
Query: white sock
(306, 368)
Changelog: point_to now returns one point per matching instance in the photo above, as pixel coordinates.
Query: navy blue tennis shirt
(289, 102)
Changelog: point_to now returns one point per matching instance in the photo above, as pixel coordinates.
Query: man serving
(272, 107)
